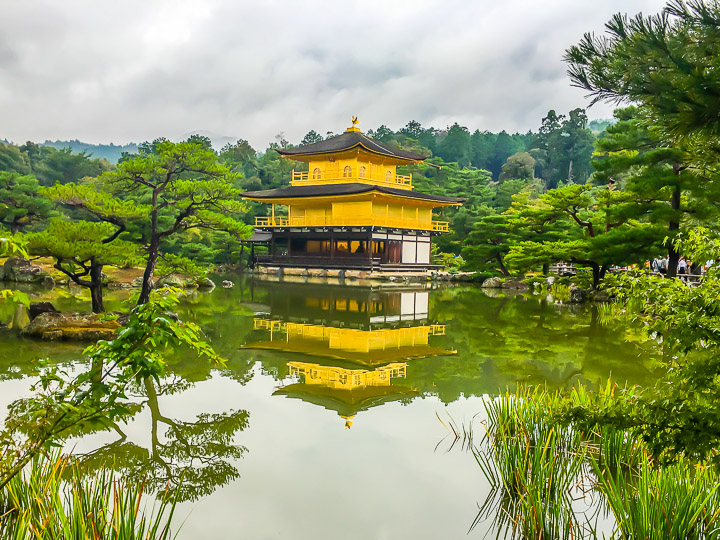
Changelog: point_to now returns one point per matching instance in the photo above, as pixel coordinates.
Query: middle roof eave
(335, 190)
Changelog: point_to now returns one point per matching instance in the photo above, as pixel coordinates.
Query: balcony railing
(352, 174)
(376, 221)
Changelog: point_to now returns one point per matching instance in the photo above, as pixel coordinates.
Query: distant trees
(563, 148)
(311, 137)
(48, 164)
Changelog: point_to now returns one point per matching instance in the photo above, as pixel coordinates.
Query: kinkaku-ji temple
(350, 209)
(361, 340)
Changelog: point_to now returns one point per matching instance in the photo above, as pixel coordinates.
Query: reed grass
(676, 501)
(532, 466)
(550, 480)
(52, 499)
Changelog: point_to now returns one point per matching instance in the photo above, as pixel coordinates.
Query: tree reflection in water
(190, 458)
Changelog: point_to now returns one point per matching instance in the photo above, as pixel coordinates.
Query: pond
(329, 418)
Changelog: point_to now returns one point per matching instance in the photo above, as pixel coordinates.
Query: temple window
(316, 173)
(388, 176)
(361, 171)
(347, 171)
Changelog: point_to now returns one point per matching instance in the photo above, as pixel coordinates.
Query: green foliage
(665, 190)
(77, 243)
(99, 203)
(679, 416)
(186, 187)
(21, 204)
(489, 243)
(520, 166)
(311, 137)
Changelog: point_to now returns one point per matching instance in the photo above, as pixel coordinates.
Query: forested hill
(110, 152)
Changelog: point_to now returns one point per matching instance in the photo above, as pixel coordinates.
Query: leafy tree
(489, 243)
(81, 249)
(455, 147)
(413, 129)
(562, 148)
(12, 159)
(666, 62)
(482, 149)
(384, 134)
(311, 137)
(599, 233)
(520, 165)
(241, 158)
(201, 140)
(20, 202)
(505, 146)
(185, 187)
(654, 173)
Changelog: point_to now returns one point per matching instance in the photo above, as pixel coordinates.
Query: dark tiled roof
(329, 190)
(346, 141)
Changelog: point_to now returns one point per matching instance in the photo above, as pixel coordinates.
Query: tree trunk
(673, 225)
(596, 275)
(96, 292)
(545, 269)
(153, 250)
(502, 265)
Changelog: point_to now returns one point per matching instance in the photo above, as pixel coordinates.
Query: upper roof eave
(348, 141)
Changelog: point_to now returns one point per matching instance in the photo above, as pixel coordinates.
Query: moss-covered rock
(74, 326)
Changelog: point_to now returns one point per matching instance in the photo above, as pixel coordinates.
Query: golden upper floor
(351, 157)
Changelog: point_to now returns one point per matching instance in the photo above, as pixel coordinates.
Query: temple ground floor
(368, 249)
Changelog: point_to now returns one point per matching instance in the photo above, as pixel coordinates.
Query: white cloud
(136, 70)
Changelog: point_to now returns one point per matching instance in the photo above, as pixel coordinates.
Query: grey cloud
(136, 70)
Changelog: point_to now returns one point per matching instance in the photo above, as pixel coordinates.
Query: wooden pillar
(369, 247)
(332, 245)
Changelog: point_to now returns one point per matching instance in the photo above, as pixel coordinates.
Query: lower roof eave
(352, 228)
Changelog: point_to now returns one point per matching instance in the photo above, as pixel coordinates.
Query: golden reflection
(359, 344)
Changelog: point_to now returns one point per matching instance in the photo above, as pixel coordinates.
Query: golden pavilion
(350, 209)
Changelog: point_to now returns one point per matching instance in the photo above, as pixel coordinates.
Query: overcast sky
(103, 71)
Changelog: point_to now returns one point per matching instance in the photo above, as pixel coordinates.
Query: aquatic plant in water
(553, 480)
(52, 499)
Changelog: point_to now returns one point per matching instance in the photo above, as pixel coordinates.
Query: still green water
(326, 420)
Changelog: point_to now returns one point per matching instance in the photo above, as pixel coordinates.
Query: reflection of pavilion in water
(360, 341)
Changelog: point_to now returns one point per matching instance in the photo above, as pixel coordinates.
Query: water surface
(325, 420)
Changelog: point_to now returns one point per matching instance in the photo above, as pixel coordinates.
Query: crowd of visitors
(684, 267)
